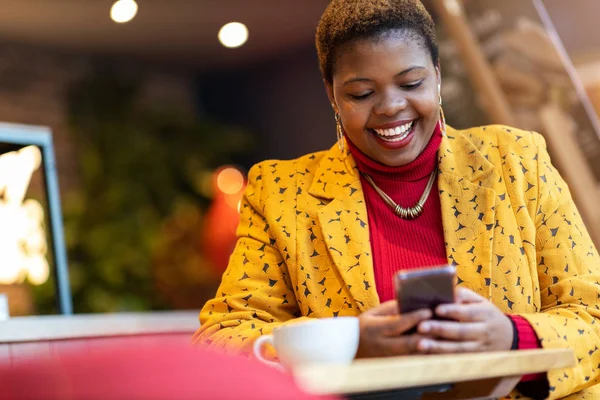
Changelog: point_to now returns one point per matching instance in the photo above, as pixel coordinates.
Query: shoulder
(274, 176)
(513, 152)
(503, 139)
(503, 146)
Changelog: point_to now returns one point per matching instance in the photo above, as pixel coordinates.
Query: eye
(360, 96)
(411, 86)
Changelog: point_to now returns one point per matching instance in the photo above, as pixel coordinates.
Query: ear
(438, 73)
(330, 96)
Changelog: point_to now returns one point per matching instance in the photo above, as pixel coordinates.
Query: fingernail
(441, 311)
(424, 344)
(424, 328)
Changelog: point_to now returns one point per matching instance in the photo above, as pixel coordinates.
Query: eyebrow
(406, 71)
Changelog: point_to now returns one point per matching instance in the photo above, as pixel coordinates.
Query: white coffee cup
(319, 341)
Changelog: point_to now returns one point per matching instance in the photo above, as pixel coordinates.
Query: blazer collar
(459, 156)
(335, 173)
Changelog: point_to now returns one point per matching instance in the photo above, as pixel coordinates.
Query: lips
(395, 135)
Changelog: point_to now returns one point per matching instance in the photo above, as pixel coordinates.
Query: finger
(473, 312)
(464, 295)
(453, 330)
(405, 322)
(402, 345)
(409, 321)
(430, 346)
(388, 308)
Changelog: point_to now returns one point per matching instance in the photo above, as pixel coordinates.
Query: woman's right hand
(382, 328)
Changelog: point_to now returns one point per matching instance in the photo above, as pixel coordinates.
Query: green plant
(143, 169)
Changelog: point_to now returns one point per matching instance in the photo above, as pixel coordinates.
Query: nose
(390, 104)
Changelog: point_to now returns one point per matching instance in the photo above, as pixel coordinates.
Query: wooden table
(459, 376)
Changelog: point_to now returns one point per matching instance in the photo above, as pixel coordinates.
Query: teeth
(396, 134)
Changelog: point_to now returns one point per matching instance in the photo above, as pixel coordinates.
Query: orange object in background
(222, 218)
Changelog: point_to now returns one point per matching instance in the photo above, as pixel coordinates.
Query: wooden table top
(395, 373)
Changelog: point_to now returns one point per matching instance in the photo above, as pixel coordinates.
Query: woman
(319, 236)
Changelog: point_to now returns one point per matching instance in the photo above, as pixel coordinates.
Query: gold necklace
(410, 212)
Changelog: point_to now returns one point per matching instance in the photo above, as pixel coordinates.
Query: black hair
(346, 20)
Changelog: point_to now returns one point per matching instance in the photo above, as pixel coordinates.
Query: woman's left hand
(478, 325)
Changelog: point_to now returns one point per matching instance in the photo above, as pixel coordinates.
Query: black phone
(425, 288)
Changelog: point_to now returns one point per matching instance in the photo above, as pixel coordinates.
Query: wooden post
(489, 90)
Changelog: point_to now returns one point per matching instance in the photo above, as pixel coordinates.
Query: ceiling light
(233, 34)
(123, 11)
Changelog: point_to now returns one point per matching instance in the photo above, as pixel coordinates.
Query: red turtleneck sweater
(399, 244)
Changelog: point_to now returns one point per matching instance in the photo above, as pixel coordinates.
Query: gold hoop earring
(340, 132)
(442, 116)
(442, 121)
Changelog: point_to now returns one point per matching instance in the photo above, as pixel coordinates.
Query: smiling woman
(323, 235)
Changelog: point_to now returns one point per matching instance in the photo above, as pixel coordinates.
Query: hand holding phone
(425, 288)
(383, 331)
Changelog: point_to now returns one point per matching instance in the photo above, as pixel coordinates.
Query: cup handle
(257, 349)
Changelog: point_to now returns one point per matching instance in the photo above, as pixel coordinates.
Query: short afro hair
(346, 20)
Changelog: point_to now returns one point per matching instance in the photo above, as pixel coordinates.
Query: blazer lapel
(344, 225)
(468, 210)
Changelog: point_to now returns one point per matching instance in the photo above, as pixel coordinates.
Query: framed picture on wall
(32, 245)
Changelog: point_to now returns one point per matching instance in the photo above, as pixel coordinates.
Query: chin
(398, 162)
(401, 157)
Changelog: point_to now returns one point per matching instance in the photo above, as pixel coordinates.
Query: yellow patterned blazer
(510, 227)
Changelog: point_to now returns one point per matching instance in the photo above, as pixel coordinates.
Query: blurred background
(158, 109)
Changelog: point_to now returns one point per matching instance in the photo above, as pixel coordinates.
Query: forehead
(389, 52)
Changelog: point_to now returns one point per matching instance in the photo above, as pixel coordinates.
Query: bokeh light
(123, 11)
(233, 34)
(38, 270)
(23, 245)
(230, 181)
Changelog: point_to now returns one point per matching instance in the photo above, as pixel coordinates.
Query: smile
(395, 134)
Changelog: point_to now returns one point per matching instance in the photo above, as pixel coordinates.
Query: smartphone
(425, 288)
